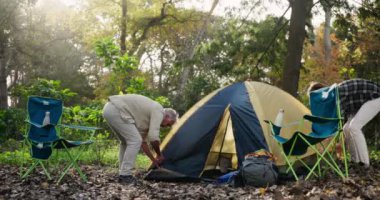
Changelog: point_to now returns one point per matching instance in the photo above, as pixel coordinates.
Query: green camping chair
(326, 124)
(44, 135)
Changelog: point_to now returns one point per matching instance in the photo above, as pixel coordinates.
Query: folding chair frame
(73, 159)
(339, 137)
(336, 138)
(34, 165)
(288, 160)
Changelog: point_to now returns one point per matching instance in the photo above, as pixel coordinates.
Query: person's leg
(130, 139)
(122, 147)
(111, 114)
(133, 140)
(366, 112)
(350, 141)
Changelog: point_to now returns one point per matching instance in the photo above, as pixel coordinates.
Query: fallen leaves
(102, 184)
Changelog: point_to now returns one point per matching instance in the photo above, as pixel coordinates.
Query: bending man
(136, 121)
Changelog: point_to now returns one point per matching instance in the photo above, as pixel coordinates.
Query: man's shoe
(127, 179)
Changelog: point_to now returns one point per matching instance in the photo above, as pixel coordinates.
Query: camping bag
(259, 171)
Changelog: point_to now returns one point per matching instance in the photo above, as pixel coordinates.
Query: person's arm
(156, 117)
(156, 146)
(145, 148)
(154, 131)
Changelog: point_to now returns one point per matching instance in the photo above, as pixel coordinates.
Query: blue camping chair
(326, 124)
(43, 135)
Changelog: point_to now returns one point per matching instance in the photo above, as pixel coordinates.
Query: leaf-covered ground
(363, 184)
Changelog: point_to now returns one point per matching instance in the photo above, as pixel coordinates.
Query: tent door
(222, 155)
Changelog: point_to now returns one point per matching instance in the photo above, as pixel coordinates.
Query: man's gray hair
(171, 113)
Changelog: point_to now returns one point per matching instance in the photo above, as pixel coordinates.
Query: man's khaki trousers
(130, 139)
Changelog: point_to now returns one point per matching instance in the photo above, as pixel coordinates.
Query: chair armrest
(37, 124)
(274, 129)
(320, 120)
(294, 123)
(85, 128)
(34, 123)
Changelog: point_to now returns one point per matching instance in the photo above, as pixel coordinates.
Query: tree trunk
(326, 34)
(3, 78)
(162, 68)
(297, 33)
(123, 27)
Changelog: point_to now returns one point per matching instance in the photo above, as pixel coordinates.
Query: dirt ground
(363, 184)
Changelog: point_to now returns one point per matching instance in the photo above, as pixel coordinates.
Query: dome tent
(229, 122)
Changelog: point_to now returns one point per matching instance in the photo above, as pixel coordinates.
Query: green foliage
(12, 124)
(236, 50)
(197, 88)
(348, 73)
(107, 50)
(164, 101)
(136, 86)
(38, 42)
(17, 157)
(123, 76)
(44, 88)
(360, 33)
(375, 155)
(85, 115)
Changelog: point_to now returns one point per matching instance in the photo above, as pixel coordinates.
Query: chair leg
(319, 168)
(344, 154)
(330, 156)
(339, 172)
(304, 164)
(23, 146)
(290, 166)
(74, 164)
(45, 170)
(34, 165)
(29, 170)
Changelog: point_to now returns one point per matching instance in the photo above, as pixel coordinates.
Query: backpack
(258, 169)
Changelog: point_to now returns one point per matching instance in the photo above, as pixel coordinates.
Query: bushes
(88, 115)
(12, 125)
(43, 88)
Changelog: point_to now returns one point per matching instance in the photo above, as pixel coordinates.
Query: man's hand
(147, 152)
(160, 159)
(156, 163)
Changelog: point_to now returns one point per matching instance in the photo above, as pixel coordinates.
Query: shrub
(12, 124)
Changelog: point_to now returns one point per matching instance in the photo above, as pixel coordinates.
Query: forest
(176, 52)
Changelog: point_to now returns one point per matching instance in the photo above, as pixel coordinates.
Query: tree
(327, 7)
(123, 27)
(359, 32)
(9, 12)
(290, 77)
(315, 67)
(190, 52)
(43, 88)
(236, 52)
